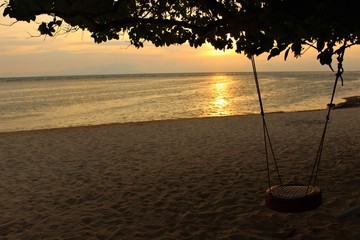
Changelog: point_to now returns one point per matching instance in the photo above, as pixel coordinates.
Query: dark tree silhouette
(251, 27)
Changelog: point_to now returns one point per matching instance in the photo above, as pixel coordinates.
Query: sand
(179, 179)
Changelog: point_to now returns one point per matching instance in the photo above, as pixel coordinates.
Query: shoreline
(177, 179)
(350, 102)
(158, 121)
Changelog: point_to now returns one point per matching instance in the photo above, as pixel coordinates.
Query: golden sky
(77, 54)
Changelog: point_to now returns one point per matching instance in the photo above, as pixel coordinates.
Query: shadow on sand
(350, 102)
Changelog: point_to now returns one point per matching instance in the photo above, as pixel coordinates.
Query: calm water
(51, 102)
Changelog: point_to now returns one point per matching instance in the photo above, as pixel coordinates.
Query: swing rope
(267, 140)
(315, 170)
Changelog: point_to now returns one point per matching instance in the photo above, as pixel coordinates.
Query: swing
(293, 198)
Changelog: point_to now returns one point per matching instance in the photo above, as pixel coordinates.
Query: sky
(22, 54)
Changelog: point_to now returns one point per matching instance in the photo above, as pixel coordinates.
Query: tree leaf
(320, 44)
(6, 11)
(286, 53)
(296, 48)
(274, 52)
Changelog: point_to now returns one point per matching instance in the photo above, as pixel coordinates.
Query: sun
(211, 51)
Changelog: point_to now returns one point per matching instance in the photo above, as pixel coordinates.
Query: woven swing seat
(293, 198)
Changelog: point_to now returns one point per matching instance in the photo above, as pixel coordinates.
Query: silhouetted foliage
(251, 27)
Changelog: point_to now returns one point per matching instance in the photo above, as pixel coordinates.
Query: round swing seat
(293, 198)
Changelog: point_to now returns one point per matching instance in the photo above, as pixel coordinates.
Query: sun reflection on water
(220, 95)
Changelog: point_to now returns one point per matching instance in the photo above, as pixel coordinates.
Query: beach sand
(178, 179)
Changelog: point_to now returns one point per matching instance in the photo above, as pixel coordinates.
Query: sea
(30, 103)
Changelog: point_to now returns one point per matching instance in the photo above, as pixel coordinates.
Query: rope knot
(339, 73)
